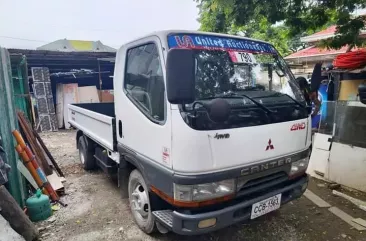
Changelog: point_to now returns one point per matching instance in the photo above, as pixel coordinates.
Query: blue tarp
(323, 96)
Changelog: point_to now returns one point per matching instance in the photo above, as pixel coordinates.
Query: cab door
(142, 117)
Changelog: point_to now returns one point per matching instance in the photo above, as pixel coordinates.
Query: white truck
(206, 130)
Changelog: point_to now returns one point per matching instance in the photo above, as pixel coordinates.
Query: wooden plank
(28, 131)
(88, 94)
(26, 174)
(359, 203)
(70, 97)
(33, 103)
(60, 105)
(48, 153)
(346, 217)
(106, 96)
(360, 221)
(55, 181)
(25, 129)
(316, 199)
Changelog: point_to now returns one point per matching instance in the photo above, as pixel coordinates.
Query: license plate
(266, 206)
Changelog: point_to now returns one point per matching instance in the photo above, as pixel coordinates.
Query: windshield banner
(195, 41)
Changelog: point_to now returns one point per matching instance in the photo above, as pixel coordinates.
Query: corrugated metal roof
(329, 30)
(324, 34)
(315, 51)
(60, 61)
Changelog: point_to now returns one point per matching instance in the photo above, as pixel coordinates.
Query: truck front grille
(247, 187)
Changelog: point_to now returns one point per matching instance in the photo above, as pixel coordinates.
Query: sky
(29, 24)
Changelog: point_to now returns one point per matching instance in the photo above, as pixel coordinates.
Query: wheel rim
(139, 202)
(82, 158)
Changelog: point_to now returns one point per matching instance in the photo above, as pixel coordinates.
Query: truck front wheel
(86, 156)
(138, 195)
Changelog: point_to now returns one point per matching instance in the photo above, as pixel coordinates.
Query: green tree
(256, 18)
(261, 29)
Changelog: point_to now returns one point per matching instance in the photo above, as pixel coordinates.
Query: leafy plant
(284, 22)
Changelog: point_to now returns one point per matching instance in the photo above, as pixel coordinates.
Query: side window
(144, 82)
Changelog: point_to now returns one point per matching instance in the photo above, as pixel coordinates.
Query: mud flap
(123, 174)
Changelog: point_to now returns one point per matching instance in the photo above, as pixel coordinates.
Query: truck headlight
(202, 192)
(299, 166)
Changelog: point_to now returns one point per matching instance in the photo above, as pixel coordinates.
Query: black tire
(86, 155)
(137, 182)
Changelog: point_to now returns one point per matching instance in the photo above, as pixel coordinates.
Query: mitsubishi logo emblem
(269, 146)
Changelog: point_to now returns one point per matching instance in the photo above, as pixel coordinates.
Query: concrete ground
(7, 233)
(95, 210)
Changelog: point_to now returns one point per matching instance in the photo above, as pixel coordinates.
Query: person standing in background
(310, 96)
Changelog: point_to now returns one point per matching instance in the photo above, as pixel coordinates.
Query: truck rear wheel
(138, 195)
(86, 156)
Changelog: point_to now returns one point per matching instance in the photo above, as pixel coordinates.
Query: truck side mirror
(362, 93)
(180, 76)
(218, 110)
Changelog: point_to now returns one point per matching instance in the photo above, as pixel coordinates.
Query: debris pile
(44, 180)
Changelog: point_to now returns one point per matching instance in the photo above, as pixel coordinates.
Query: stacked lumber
(38, 146)
(36, 158)
(32, 165)
(28, 132)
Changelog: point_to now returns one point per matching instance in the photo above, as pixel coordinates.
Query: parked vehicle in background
(206, 130)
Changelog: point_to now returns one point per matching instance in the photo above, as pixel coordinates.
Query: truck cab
(206, 130)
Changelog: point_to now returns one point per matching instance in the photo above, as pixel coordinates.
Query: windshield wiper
(253, 88)
(279, 95)
(241, 96)
(296, 101)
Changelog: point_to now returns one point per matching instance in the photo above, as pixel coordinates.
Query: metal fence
(345, 121)
(8, 122)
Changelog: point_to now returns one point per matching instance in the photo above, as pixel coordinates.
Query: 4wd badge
(298, 126)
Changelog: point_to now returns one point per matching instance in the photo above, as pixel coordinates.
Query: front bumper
(187, 224)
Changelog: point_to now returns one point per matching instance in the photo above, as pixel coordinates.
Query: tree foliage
(260, 18)
(261, 28)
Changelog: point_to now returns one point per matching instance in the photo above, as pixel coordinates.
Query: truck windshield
(219, 72)
(250, 74)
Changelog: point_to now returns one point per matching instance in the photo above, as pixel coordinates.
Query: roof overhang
(58, 61)
(328, 56)
(318, 37)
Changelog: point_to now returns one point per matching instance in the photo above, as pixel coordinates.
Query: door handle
(120, 128)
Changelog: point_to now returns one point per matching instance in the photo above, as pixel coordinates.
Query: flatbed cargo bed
(95, 120)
